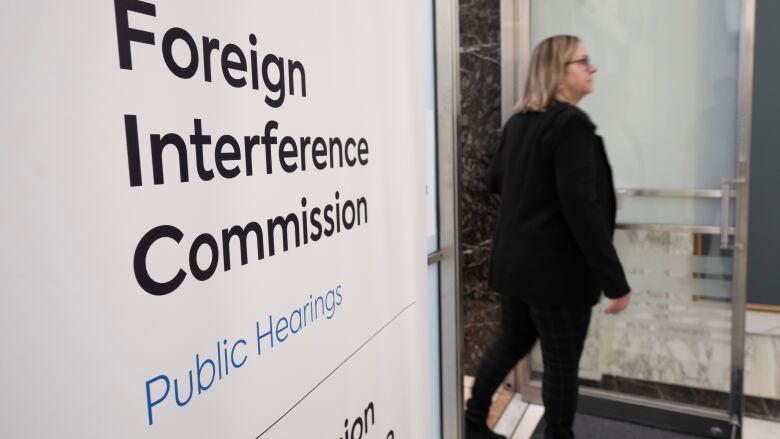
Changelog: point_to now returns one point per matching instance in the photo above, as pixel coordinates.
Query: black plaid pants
(561, 332)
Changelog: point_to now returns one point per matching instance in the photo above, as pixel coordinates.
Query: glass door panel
(665, 93)
(665, 101)
(674, 342)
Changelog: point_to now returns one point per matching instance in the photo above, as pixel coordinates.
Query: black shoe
(481, 431)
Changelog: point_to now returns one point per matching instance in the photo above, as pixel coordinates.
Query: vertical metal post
(739, 296)
(515, 52)
(447, 51)
(515, 55)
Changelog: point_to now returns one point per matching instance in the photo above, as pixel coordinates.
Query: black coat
(553, 240)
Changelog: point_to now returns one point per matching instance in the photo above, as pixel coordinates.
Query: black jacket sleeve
(575, 176)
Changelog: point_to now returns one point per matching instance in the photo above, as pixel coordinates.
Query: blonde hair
(546, 71)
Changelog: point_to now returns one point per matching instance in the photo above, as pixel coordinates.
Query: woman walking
(552, 249)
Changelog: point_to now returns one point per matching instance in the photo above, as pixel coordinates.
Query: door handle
(726, 195)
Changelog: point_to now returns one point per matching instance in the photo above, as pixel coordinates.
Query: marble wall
(479, 127)
(762, 365)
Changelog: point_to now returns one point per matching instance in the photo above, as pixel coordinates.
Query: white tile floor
(533, 414)
(512, 416)
(758, 429)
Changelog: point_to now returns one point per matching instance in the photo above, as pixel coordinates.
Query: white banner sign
(214, 220)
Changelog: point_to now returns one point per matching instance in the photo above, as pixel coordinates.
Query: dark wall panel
(764, 214)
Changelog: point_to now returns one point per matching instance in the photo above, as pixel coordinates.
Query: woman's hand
(618, 304)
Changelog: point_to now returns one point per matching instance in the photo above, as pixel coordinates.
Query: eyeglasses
(585, 61)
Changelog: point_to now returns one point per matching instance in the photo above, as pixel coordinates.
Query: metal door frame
(515, 55)
(447, 65)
